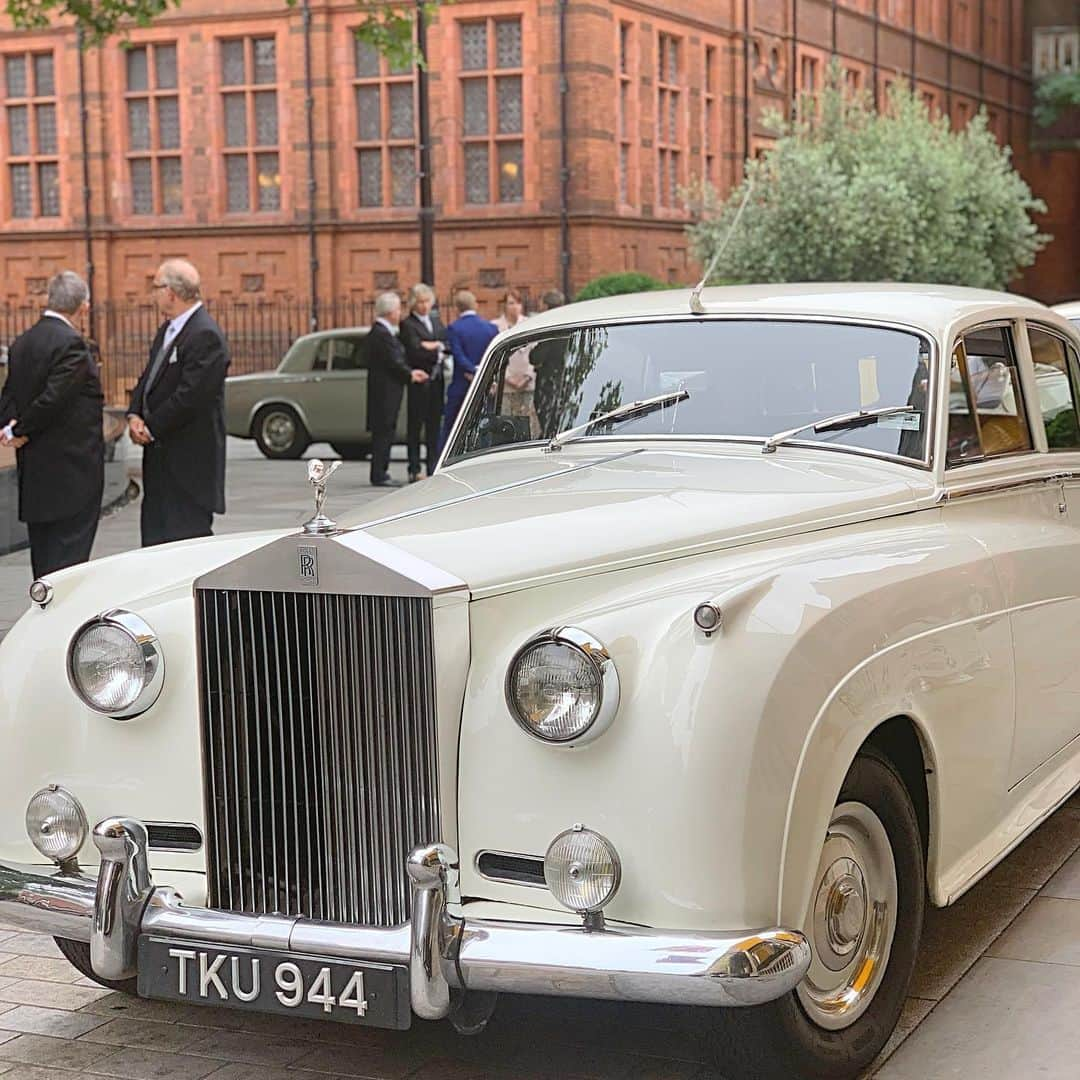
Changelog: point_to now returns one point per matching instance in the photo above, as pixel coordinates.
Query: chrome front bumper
(442, 951)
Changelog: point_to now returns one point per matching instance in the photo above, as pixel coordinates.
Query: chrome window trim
(143, 635)
(596, 653)
(1073, 373)
(1009, 483)
(518, 340)
(509, 855)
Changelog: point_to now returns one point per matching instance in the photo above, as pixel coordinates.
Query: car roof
(1070, 309)
(337, 331)
(933, 308)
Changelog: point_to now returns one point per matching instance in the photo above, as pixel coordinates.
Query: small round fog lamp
(708, 617)
(56, 823)
(41, 592)
(582, 870)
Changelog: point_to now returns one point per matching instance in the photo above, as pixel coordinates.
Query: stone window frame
(671, 105)
(711, 111)
(386, 143)
(35, 161)
(628, 118)
(493, 139)
(159, 157)
(252, 150)
(1053, 49)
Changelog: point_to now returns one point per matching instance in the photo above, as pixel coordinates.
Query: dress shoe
(413, 477)
(386, 481)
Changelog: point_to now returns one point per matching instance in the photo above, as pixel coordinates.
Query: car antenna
(696, 305)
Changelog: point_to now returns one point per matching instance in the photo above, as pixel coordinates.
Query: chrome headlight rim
(593, 650)
(146, 640)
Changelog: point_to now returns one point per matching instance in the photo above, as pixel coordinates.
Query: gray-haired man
(51, 413)
(388, 375)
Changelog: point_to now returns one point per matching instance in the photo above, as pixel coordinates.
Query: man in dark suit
(388, 375)
(468, 337)
(51, 413)
(177, 413)
(424, 338)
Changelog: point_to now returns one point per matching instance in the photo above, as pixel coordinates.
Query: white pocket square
(173, 357)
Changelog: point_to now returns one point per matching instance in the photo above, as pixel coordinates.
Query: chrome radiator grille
(319, 746)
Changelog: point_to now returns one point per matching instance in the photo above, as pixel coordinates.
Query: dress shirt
(48, 313)
(178, 323)
(388, 324)
(426, 320)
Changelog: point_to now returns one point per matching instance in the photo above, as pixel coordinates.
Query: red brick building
(195, 140)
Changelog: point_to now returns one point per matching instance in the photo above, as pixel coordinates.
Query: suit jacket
(388, 375)
(413, 331)
(54, 389)
(468, 338)
(185, 409)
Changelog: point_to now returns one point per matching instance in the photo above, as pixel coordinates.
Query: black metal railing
(259, 332)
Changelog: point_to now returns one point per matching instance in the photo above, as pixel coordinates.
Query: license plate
(261, 980)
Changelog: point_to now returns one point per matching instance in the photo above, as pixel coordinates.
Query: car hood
(513, 519)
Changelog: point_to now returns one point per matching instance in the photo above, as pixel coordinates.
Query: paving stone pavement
(995, 994)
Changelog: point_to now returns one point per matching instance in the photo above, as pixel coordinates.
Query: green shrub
(851, 194)
(616, 284)
(1054, 95)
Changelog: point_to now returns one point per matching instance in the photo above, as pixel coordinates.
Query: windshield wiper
(830, 423)
(623, 412)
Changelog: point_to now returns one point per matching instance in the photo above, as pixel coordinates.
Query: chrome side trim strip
(1010, 483)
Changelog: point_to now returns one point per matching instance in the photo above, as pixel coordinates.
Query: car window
(321, 362)
(1057, 398)
(986, 408)
(743, 378)
(347, 354)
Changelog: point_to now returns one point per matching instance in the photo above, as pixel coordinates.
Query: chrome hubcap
(279, 431)
(852, 918)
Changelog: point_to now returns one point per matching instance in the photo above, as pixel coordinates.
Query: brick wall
(643, 122)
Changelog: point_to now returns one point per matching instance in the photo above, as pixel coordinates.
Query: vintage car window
(1057, 398)
(746, 378)
(347, 354)
(986, 408)
(321, 360)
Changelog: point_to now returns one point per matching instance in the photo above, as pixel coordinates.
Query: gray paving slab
(53, 1052)
(1065, 883)
(1047, 931)
(1008, 1020)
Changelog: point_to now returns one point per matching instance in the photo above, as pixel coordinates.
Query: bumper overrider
(441, 951)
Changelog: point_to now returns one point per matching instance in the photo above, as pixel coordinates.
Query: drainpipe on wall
(423, 117)
(312, 186)
(564, 151)
(748, 86)
(84, 123)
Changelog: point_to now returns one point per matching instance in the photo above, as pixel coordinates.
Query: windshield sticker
(902, 421)
(868, 387)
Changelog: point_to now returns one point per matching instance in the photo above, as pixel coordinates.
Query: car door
(1007, 490)
(337, 396)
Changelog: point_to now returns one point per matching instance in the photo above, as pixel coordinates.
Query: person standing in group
(513, 311)
(424, 338)
(51, 413)
(468, 337)
(552, 299)
(177, 413)
(388, 375)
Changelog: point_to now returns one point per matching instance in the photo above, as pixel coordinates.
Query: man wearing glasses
(177, 413)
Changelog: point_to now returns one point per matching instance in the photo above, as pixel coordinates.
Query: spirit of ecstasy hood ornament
(318, 473)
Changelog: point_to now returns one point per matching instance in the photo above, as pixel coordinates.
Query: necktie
(159, 360)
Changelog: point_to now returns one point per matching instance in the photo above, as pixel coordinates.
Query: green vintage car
(317, 394)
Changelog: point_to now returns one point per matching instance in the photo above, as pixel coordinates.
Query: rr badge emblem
(309, 565)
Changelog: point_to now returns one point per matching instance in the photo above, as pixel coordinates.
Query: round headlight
(562, 686)
(115, 665)
(56, 823)
(582, 870)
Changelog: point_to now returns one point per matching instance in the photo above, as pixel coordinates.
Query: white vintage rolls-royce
(733, 626)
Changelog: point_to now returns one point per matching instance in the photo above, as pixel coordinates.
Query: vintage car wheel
(77, 954)
(279, 432)
(864, 924)
(352, 451)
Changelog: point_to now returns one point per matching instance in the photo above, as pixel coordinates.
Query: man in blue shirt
(467, 337)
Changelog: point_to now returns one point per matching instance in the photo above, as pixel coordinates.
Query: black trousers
(425, 421)
(168, 512)
(381, 441)
(56, 544)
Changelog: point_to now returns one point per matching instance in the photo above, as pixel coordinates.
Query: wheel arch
(903, 739)
(288, 403)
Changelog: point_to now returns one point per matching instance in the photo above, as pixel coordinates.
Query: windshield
(749, 378)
